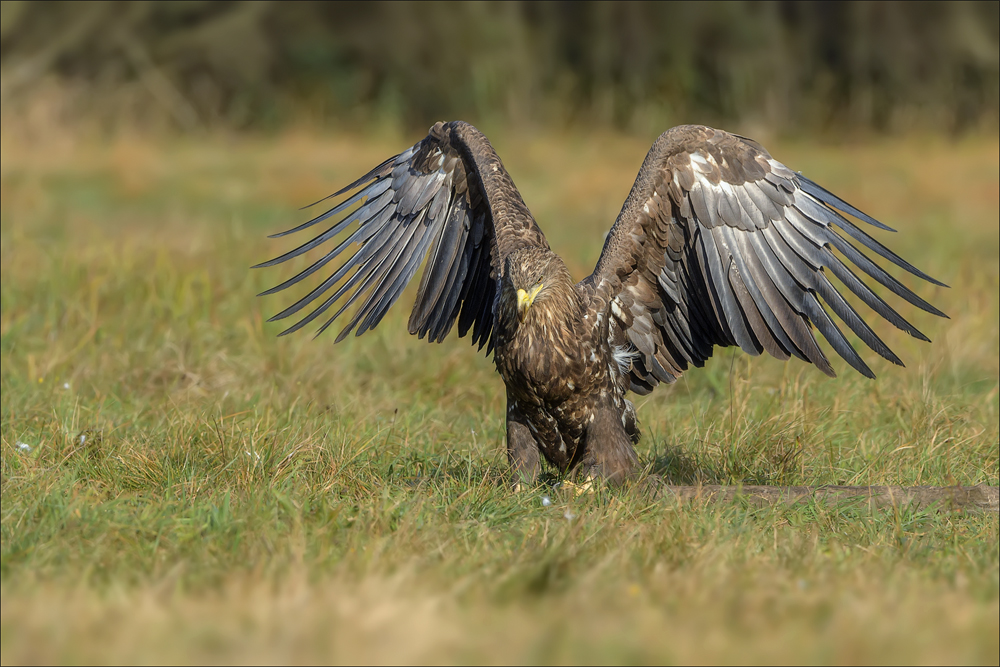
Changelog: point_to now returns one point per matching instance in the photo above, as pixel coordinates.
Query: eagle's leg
(522, 448)
(608, 452)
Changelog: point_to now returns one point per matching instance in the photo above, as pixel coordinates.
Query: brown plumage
(718, 244)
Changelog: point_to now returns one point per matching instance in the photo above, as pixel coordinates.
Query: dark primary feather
(719, 244)
(437, 200)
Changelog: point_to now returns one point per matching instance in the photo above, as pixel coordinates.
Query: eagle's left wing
(720, 244)
(447, 200)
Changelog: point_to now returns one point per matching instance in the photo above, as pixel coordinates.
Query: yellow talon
(579, 489)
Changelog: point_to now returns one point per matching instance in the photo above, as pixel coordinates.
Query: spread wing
(720, 244)
(447, 198)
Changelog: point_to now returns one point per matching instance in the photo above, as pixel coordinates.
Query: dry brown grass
(720, 616)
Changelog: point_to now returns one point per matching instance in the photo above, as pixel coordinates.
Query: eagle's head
(536, 287)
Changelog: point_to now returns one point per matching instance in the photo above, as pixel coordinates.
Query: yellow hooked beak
(525, 299)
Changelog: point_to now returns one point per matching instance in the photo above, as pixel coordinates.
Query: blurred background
(181, 484)
(639, 67)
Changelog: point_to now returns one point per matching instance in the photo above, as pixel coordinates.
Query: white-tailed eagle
(718, 244)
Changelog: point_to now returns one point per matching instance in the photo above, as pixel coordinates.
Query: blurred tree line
(787, 65)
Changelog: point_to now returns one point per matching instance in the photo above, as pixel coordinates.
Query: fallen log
(981, 497)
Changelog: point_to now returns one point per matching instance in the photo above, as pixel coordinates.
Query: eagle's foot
(586, 486)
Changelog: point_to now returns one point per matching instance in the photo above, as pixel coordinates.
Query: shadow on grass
(679, 467)
(776, 464)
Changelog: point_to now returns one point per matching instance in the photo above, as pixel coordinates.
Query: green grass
(180, 484)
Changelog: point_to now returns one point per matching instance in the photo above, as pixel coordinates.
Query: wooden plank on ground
(980, 497)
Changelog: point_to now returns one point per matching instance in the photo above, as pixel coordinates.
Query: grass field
(181, 485)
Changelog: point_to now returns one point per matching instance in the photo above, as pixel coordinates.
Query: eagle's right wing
(719, 244)
(447, 198)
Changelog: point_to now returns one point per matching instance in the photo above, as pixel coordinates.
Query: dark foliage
(789, 65)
